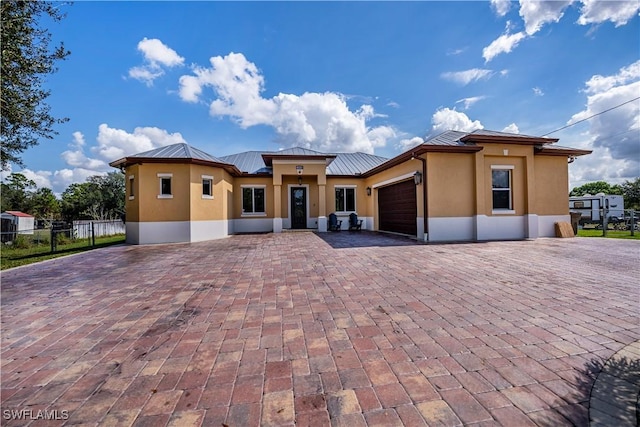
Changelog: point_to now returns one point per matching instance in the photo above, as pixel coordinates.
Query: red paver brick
(367, 399)
(418, 387)
(383, 418)
(511, 416)
(391, 395)
(524, 399)
(465, 406)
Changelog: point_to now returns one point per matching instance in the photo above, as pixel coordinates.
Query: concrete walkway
(336, 329)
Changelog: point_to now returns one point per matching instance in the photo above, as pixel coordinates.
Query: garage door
(397, 210)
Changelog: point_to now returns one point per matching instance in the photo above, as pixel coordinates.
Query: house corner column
(277, 208)
(322, 208)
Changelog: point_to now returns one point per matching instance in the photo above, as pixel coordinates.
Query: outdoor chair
(355, 224)
(335, 224)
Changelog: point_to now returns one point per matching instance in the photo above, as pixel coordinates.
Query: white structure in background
(23, 223)
(591, 207)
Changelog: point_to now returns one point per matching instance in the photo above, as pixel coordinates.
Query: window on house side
(253, 200)
(131, 187)
(165, 186)
(345, 199)
(207, 187)
(501, 185)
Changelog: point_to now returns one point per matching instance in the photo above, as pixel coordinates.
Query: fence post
(605, 223)
(53, 240)
(633, 222)
(93, 235)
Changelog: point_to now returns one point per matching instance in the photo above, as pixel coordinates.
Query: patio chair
(355, 224)
(335, 224)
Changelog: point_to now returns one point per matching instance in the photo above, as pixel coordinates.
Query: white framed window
(502, 189)
(345, 198)
(254, 200)
(165, 186)
(132, 194)
(207, 187)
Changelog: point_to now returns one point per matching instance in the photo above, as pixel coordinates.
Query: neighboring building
(458, 186)
(16, 222)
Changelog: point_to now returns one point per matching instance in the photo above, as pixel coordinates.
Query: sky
(373, 77)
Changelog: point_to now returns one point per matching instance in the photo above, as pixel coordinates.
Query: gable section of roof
(177, 151)
(354, 163)
(248, 162)
(19, 214)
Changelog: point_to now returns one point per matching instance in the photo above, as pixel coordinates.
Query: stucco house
(457, 186)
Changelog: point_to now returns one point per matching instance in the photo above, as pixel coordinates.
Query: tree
(595, 188)
(631, 193)
(100, 198)
(44, 204)
(26, 60)
(16, 192)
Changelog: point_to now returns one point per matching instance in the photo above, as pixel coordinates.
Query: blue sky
(374, 77)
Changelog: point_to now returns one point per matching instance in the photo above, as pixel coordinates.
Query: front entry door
(298, 207)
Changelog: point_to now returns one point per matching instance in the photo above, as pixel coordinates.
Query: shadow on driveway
(362, 239)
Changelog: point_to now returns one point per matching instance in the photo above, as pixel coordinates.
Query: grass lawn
(611, 234)
(14, 257)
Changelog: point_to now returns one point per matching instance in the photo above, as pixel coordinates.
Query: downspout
(424, 195)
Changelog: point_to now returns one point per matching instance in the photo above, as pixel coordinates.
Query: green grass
(14, 257)
(611, 234)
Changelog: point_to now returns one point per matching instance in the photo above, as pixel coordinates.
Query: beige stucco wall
(552, 178)
(204, 209)
(132, 206)
(155, 209)
(451, 189)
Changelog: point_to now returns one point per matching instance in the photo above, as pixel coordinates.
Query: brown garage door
(397, 208)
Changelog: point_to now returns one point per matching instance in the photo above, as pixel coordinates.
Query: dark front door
(298, 207)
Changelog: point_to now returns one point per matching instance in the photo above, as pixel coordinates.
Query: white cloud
(447, 119)
(393, 104)
(112, 144)
(599, 84)
(503, 44)
(405, 144)
(321, 121)
(156, 52)
(468, 102)
(614, 133)
(597, 11)
(156, 56)
(512, 128)
(78, 139)
(501, 7)
(537, 91)
(455, 52)
(536, 13)
(467, 76)
(117, 143)
(41, 178)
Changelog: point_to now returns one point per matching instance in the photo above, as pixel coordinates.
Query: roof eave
(503, 139)
(573, 152)
(269, 157)
(128, 161)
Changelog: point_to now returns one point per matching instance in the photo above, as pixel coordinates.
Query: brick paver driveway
(343, 329)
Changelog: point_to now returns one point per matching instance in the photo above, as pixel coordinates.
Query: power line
(590, 117)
